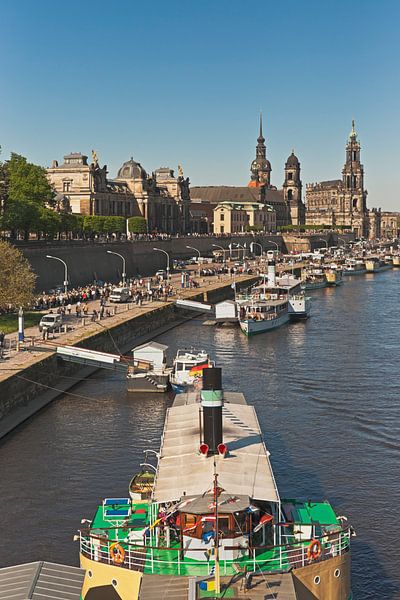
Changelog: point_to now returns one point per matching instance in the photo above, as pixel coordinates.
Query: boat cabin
(151, 356)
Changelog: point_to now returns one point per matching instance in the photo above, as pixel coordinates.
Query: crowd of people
(77, 299)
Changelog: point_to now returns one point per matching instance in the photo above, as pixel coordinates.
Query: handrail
(324, 537)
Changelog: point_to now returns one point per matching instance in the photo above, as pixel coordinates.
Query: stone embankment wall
(24, 393)
(88, 261)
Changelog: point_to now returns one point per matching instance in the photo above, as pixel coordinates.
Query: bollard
(114, 310)
(83, 322)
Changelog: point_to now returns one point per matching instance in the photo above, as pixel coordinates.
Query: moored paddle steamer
(215, 522)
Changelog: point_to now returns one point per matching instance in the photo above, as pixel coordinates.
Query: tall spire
(261, 137)
(353, 133)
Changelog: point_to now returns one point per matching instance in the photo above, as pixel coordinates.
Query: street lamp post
(223, 251)
(65, 270)
(197, 250)
(272, 242)
(243, 248)
(322, 240)
(252, 244)
(167, 255)
(123, 266)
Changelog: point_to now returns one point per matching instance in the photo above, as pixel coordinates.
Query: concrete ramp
(164, 587)
(192, 305)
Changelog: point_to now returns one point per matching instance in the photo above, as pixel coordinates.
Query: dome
(131, 170)
(292, 161)
(261, 164)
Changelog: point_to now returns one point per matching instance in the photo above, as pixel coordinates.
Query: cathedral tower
(292, 188)
(260, 167)
(354, 196)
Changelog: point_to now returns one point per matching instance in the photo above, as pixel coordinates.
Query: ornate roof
(131, 170)
(292, 161)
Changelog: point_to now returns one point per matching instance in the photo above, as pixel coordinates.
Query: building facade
(390, 225)
(237, 217)
(343, 202)
(161, 198)
(87, 191)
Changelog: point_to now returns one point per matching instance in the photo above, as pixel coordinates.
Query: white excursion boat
(272, 303)
(315, 279)
(374, 264)
(187, 369)
(354, 267)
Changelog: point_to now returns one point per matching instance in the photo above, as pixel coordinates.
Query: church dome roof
(131, 170)
(292, 161)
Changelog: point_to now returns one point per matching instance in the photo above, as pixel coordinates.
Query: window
(66, 186)
(222, 229)
(222, 216)
(290, 176)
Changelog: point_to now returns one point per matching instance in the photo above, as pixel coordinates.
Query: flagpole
(216, 540)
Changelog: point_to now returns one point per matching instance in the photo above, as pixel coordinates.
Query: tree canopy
(27, 198)
(17, 280)
(137, 225)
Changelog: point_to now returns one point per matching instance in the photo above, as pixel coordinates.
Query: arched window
(290, 195)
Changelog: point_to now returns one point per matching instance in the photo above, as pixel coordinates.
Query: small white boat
(187, 370)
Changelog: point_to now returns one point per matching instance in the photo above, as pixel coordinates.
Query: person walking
(2, 343)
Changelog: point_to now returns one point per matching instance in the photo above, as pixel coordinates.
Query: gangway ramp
(92, 358)
(193, 305)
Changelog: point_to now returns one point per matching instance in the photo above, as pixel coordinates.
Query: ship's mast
(216, 539)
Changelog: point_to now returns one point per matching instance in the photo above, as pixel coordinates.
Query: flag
(197, 369)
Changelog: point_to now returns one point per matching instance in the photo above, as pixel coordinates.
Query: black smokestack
(211, 401)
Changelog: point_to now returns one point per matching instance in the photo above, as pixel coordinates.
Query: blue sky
(183, 82)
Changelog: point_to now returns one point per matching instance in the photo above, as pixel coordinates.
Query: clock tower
(260, 167)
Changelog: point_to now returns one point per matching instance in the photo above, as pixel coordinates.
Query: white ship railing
(151, 559)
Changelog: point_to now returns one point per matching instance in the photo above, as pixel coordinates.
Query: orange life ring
(117, 553)
(314, 550)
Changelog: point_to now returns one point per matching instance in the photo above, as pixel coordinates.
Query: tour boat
(334, 275)
(374, 264)
(215, 524)
(272, 303)
(396, 260)
(354, 267)
(187, 369)
(315, 280)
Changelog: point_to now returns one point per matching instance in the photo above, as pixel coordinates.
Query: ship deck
(183, 471)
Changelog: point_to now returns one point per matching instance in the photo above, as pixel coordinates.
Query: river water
(327, 394)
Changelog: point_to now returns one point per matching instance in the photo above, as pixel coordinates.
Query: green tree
(17, 280)
(114, 225)
(28, 192)
(137, 225)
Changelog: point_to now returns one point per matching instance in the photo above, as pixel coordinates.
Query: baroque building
(343, 202)
(287, 202)
(161, 198)
(87, 191)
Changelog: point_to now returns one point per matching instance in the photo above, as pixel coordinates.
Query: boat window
(179, 366)
(223, 524)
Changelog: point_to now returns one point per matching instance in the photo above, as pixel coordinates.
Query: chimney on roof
(211, 401)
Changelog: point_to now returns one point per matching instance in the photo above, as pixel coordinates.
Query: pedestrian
(2, 343)
(69, 308)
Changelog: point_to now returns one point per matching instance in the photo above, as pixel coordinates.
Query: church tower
(354, 199)
(260, 167)
(292, 188)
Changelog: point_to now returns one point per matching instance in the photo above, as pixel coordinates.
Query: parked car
(119, 295)
(51, 322)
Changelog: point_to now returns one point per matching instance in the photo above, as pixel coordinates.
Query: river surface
(327, 394)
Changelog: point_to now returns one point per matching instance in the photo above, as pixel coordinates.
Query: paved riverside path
(32, 354)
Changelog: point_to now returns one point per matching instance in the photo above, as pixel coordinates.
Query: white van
(119, 295)
(51, 322)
